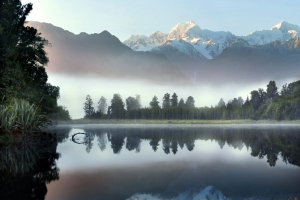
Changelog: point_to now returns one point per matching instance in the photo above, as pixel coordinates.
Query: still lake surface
(156, 162)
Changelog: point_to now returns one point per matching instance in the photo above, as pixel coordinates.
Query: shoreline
(152, 121)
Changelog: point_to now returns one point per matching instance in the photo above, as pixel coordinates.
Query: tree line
(269, 104)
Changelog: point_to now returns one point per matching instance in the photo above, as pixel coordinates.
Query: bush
(21, 117)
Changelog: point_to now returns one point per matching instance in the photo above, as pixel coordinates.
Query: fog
(74, 89)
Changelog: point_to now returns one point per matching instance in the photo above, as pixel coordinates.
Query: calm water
(155, 162)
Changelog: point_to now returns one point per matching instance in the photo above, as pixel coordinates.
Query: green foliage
(154, 103)
(60, 114)
(21, 117)
(23, 59)
(117, 107)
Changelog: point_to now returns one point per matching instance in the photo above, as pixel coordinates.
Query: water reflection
(272, 143)
(27, 166)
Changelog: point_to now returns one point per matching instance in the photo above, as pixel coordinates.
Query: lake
(155, 162)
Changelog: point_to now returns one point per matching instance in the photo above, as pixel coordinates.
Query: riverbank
(153, 121)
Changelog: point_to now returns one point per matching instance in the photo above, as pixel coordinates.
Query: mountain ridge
(104, 55)
(212, 43)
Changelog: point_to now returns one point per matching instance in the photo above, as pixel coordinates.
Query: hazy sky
(123, 18)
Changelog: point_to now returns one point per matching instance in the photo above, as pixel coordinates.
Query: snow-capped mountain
(282, 32)
(205, 42)
(144, 43)
(208, 43)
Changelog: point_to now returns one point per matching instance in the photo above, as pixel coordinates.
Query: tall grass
(21, 117)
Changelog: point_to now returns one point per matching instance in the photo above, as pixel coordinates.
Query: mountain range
(187, 54)
(208, 56)
(103, 55)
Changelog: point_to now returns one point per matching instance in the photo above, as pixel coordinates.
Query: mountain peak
(286, 27)
(185, 30)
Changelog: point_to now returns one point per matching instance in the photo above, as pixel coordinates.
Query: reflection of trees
(117, 141)
(271, 143)
(133, 143)
(166, 146)
(154, 143)
(26, 167)
(102, 140)
(174, 146)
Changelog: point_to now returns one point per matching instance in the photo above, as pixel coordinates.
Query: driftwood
(74, 140)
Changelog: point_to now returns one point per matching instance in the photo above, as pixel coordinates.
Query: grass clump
(21, 117)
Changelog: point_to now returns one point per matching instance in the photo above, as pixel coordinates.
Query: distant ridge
(103, 55)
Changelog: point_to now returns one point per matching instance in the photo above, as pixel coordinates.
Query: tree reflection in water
(271, 143)
(27, 166)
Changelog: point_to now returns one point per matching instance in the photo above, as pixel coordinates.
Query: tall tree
(166, 101)
(154, 103)
(102, 105)
(174, 100)
(255, 99)
(190, 102)
(23, 58)
(133, 103)
(88, 107)
(240, 101)
(181, 103)
(117, 107)
(271, 90)
(221, 103)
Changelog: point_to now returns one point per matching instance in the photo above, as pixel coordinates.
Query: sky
(123, 18)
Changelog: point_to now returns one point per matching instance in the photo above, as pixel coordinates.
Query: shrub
(19, 116)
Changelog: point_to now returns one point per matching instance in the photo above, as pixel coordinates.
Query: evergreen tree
(271, 90)
(181, 103)
(88, 107)
(117, 107)
(166, 101)
(174, 100)
(154, 103)
(221, 103)
(190, 102)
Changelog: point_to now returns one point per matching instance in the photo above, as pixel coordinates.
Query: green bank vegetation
(28, 100)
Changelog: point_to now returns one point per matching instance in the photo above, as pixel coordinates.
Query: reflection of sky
(105, 175)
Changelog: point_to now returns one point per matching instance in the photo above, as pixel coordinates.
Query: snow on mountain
(205, 42)
(207, 193)
(283, 31)
(186, 31)
(178, 45)
(208, 43)
(144, 43)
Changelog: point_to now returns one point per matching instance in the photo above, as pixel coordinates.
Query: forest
(271, 104)
(28, 100)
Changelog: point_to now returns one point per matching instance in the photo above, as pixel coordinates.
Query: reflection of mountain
(26, 167)
(270, 143)
(207, 193)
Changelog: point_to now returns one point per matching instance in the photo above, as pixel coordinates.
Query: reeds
(21, 117)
